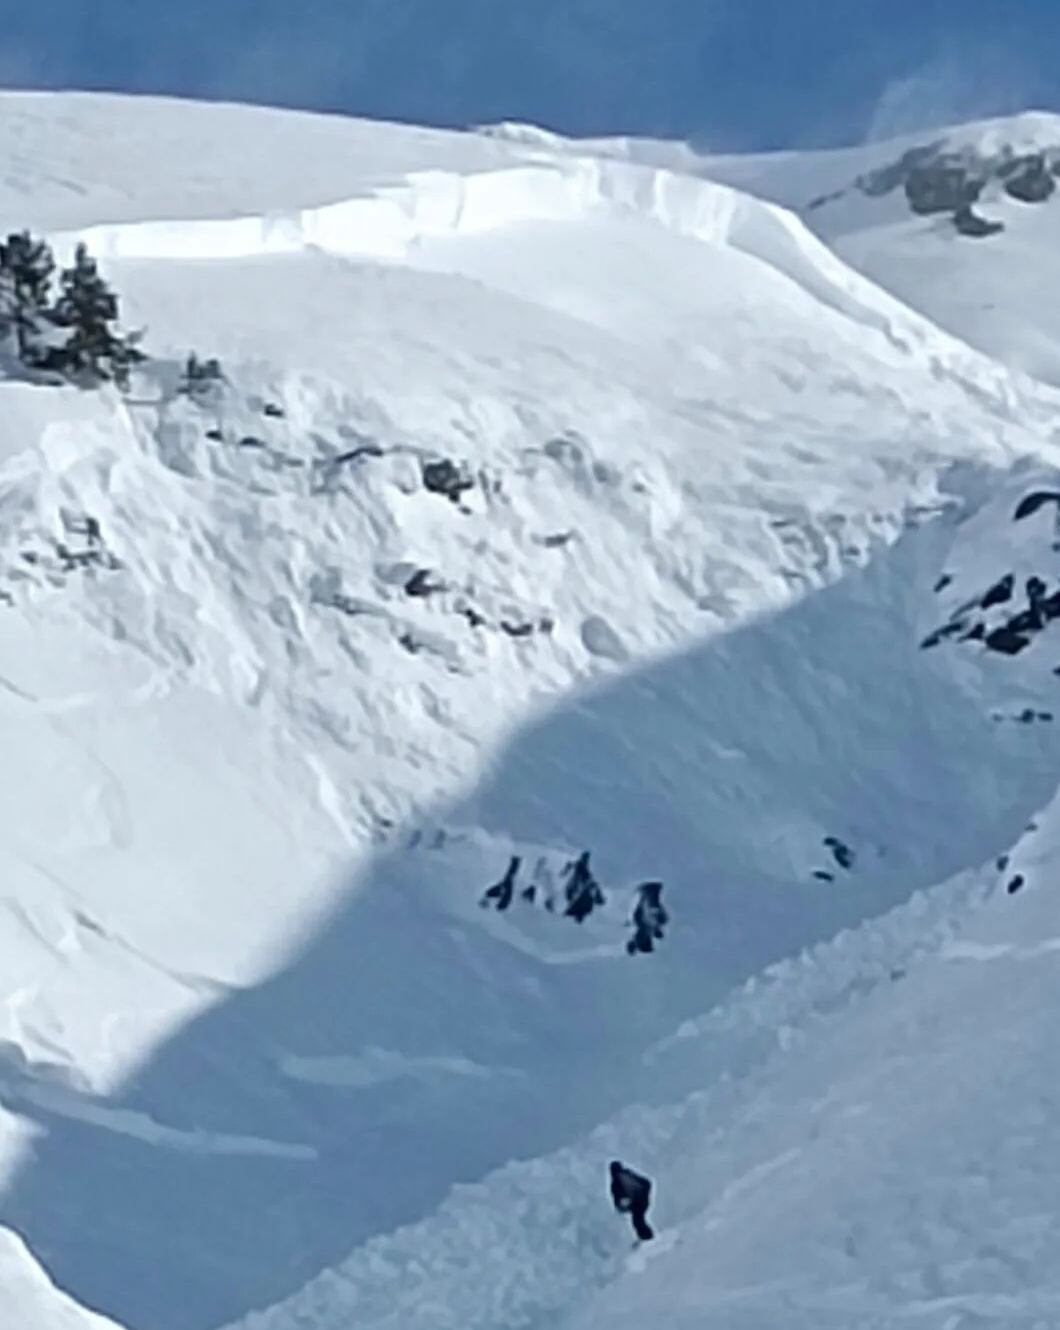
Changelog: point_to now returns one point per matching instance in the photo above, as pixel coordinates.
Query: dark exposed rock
(843, 854)
(950, 629)
(1029, 620)
(999, 593)
(1018, 630)
(1007, 641)
(517, 629)
(943, 582)
(1002, 863)
(252, 441)
(215, 435)
(1015, 884)
(445, 477)
(1032, 502)
(95, 557)
(421, 584)
(941, 186)
(355, 454)
(937, 180)
(1028, 179)
(823, 876)
(970, 223)
(884, 179)
(1028, 716)
(273, 411)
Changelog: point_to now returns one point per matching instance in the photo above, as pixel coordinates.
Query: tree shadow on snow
(266, 1139)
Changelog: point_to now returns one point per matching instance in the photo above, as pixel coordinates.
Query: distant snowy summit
(951, 175)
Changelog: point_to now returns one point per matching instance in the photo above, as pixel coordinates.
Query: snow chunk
(600, 639)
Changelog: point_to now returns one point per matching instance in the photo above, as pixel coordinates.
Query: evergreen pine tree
(26, 270)
(88, 307)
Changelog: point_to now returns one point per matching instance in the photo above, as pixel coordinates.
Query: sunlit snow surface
(266, 1061)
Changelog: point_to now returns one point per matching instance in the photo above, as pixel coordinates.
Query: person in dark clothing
(649, 919)
(582, 891)
(631, 1194)
(500, 894)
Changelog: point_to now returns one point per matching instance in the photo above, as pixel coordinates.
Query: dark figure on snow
(582, 891)
(631, 1194)
(500, 894)
(649, 919)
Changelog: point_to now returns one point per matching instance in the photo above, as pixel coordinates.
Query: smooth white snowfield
(994, 292)
(279, 725)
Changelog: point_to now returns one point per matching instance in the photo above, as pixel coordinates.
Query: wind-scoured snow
(551, 503)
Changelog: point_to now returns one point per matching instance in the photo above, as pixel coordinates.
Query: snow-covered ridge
(389, 222)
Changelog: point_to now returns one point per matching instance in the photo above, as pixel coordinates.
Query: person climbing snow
(631, 1194)
(649, 921)
(582, 891)
(501, 893)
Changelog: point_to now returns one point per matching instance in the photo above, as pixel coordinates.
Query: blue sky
(732, 73)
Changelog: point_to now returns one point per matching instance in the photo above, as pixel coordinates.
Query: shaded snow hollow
(265, 1059)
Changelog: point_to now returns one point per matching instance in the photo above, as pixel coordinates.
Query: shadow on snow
(216, 1181)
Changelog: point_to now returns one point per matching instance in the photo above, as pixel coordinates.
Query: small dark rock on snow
(843, 854)
(1028, 179)
(969, 223)
(999, 593)
(445, 477)
(421, 584)
(1030, 503)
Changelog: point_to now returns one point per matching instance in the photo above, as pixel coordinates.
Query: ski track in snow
(139, 1125)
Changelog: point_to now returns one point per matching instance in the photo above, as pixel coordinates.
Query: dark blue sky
(734, 73)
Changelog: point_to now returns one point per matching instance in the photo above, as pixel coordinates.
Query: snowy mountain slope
(287, 715)
(779, 1080)
(31, 1296)
(782, 1071)
(78, 159)
(919, 1186)
(993, 290)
